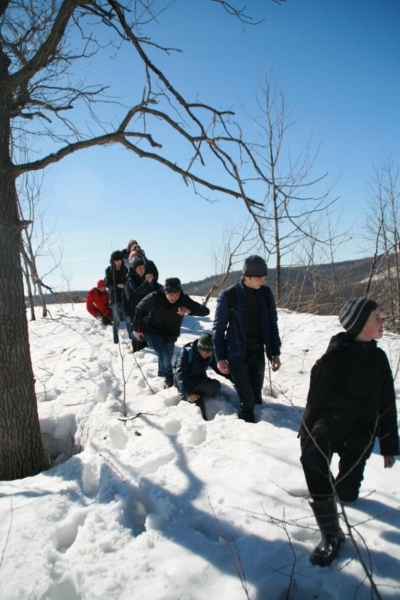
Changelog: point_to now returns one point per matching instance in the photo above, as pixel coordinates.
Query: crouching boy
(98, 303)
(190, 374)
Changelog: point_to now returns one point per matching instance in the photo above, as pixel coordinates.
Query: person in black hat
(191, 372)
(158, 319)
(115, 280)
(246, 328)
(351, 401)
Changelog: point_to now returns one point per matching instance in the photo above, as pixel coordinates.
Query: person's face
(373, 328)
(102, 288)
(140, 269)
(173, 297)
(118, 263)
(204, 353)
(254, 282)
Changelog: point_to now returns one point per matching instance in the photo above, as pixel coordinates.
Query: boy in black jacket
(158, 319)
(190, 372)
(351, 401)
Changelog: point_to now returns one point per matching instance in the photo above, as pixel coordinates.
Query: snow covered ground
(167, 506)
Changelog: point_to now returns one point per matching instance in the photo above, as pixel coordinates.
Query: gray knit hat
(354, 314)
(255, 266)
(205, 343)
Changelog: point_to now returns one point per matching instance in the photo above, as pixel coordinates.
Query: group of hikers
(351, 399)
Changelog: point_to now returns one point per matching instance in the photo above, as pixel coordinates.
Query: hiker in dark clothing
(246, 328)
(138, 286)
(190, 372)
(115, 280)
(137, 251)
(158, 319)
(351, 401)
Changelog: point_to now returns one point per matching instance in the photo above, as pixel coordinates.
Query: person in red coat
(98, 303)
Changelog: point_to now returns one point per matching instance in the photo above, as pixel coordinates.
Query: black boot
(246, 415)
(326, 515)
(200, 404)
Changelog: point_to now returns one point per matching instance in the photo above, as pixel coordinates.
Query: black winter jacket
(352, 389)
(136, 288)
(160, 316)
(113, 278)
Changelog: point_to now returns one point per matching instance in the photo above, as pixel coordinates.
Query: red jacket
(97, 303)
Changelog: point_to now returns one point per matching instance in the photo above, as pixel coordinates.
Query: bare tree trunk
(374, 260)
(217, 285)
(236, 241)
(397, 261)
(395, 241)
(278, 276)
(21, 450)
(30, 260)
(29, 290)
(389, 278)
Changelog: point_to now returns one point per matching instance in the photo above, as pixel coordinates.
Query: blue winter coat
(230, 325)
(191, 368)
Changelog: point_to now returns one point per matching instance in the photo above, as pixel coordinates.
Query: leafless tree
(383, 223)
(37, 240)
(313, 283)
(293, 198)
(46, 50)
(235, 244)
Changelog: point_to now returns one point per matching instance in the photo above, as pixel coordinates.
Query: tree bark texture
(21, 449)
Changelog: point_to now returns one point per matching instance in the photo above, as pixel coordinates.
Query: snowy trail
(168, 506)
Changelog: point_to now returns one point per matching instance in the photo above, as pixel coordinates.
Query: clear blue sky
(336, 61)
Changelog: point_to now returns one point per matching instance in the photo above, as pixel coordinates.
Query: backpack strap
(231, 294)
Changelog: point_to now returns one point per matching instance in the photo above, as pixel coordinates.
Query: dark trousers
(353, 448)
(249, 380)
(205, 387)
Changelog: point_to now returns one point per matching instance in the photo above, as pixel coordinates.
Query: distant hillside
(316, 288)
(350, 274)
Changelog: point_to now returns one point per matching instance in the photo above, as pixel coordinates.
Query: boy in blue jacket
(246, 328)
